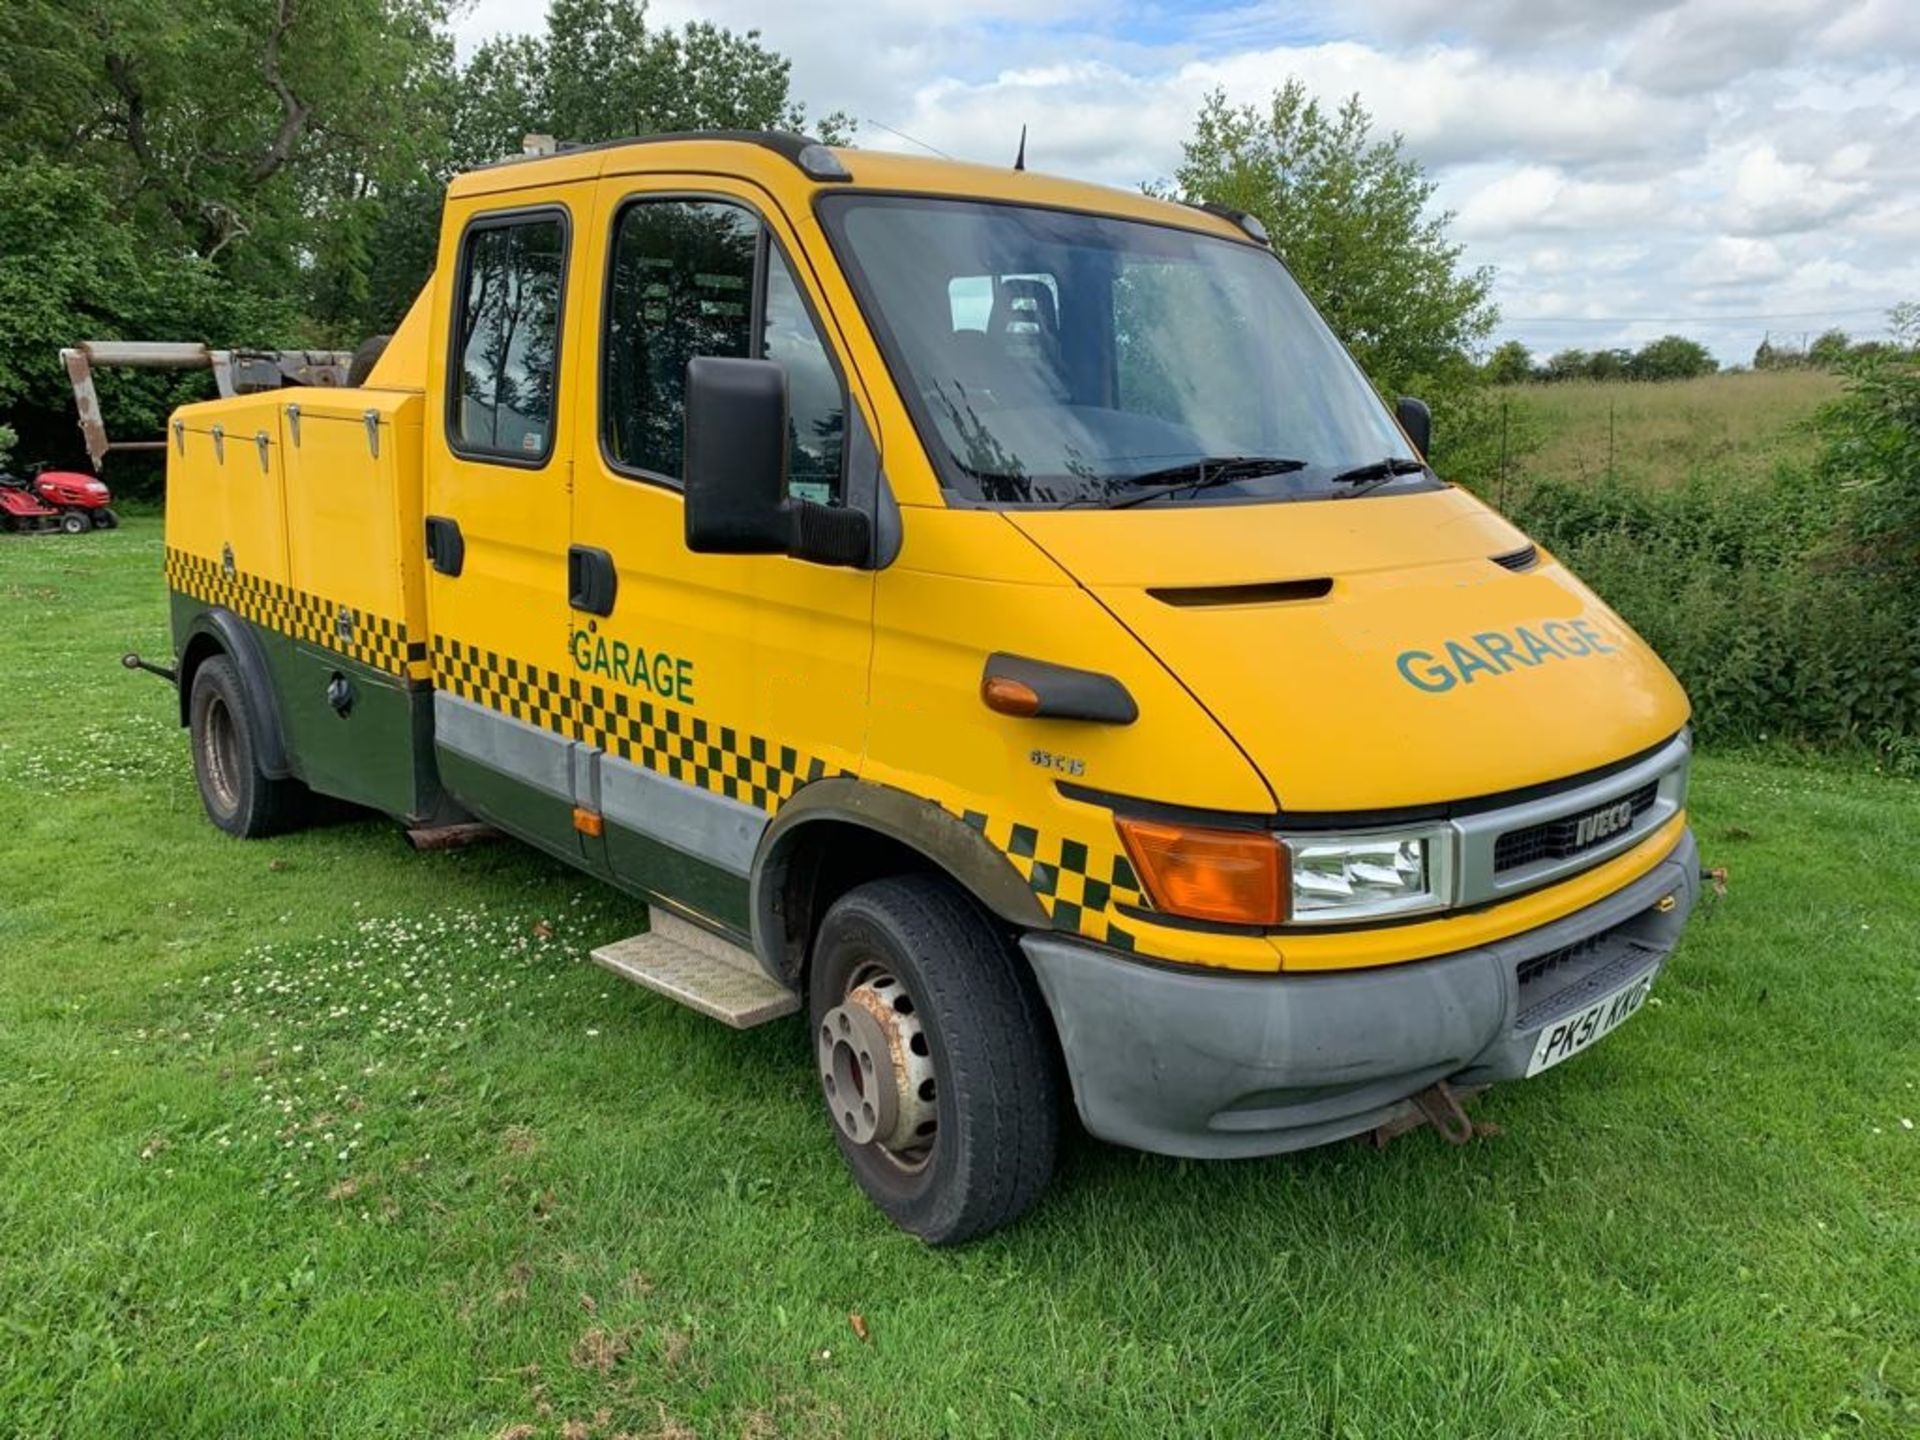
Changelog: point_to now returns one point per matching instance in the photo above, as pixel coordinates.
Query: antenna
(910, 139)
(1020, 160)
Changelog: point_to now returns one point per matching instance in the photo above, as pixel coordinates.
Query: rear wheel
(932, 1050)
(239, 798)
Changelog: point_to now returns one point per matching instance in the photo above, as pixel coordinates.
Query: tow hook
(1441, 1106)
(134, 662)
(1445, 1113)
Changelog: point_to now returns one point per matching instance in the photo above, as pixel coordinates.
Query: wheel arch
(841, 832)
(219, 631)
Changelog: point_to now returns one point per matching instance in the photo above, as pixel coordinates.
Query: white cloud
(1772, 196)
(1610, 158)
(1735, 260)
(1538, 197)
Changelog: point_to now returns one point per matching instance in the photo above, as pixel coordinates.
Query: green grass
(318, 1136)
(1663, 434)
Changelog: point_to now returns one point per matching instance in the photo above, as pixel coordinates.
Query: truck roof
(774, 157)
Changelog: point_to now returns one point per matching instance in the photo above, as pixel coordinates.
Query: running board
(701, 970)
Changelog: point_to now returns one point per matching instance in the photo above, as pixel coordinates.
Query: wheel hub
(220, 748)
(876, 1067)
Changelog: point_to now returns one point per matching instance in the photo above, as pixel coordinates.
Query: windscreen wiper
(1192, 475)
(1374, 474)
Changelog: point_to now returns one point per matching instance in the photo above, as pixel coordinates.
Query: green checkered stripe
(375, 640)
(658, 737)
(1078, 889)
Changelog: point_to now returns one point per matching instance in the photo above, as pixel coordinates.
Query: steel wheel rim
(220, 747)
(876, 1069)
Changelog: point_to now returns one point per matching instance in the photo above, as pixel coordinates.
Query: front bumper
(1216, 1065)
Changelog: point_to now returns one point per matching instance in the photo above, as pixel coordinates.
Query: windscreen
(1057, 358)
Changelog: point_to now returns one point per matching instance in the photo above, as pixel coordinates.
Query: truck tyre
(238, 797)
(365, 358)
(934, 1058)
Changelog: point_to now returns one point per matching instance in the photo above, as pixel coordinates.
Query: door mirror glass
(736, 457)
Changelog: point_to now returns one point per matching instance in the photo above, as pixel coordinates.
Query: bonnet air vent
(1525, 558)
(1268, 592)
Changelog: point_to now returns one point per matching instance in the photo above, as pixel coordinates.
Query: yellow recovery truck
(989, 613)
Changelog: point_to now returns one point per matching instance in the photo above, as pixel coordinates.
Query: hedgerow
(1789, 606)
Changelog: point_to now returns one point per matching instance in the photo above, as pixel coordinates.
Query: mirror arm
(830, 534)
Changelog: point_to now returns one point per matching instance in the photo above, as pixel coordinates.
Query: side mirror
(735, 463)
(1417, 420)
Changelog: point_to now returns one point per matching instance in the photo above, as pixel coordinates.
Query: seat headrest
(1024, 306)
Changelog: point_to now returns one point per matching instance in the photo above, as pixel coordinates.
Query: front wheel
(75, 522)
(934, 1059)
(105, 519)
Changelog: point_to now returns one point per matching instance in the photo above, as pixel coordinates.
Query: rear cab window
(506, 336)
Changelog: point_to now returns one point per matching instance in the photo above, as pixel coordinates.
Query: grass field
(1582, 431)
(317, 1136)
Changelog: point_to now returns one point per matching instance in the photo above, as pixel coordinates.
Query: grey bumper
(1211, 1065)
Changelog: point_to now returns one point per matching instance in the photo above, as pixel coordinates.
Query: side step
(699, 969)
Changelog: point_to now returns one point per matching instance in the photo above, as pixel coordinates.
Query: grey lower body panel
(697, 822)
(1214, 1065)
(663, 837)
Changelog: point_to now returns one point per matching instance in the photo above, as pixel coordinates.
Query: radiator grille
(1557, 839)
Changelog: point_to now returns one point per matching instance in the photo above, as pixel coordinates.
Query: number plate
(1600, 1019)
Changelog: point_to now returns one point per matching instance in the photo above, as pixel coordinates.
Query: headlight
(1361, 877)
(1252, 877)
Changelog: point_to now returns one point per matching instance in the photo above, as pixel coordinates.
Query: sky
(1723, 169)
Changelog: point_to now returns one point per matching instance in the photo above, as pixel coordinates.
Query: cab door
(497, 517)
(714, 686)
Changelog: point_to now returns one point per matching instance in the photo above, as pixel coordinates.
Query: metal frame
(235, 372)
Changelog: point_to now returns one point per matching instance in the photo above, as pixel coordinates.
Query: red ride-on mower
(84, 503)
(22, 511)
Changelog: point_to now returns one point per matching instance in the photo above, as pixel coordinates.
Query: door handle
(446, 546)
(592, 581)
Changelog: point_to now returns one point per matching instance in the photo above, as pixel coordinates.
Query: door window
(506, 337)
(689, 277)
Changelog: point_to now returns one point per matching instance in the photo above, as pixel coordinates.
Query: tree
(71, 268)
(600, 72)
(1872, 452)
(1903, 323)
(1509, 364)
(1828, 349)
(238, 133)
(1674, 357)
(1569, 364)
(1615, 364)
(1348, 213)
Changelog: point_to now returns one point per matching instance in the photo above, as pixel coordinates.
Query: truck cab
(989, 613)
